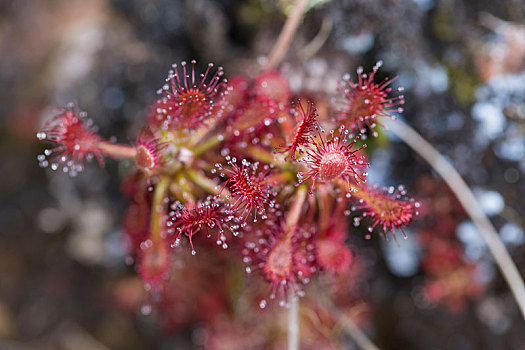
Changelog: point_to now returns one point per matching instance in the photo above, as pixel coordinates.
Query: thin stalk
(295, 211)
(287, 33)
(468, 201)
(348, 325)
(325, 209)
(293, 322)
(357, 335)
(292, 220)
(117, 150)
(317, 43)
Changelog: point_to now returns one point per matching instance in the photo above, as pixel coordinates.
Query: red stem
(117, 150)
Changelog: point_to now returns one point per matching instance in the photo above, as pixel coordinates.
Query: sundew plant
(245, 165)
(244, 160)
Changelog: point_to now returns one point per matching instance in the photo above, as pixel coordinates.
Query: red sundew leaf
(454, 287)
(333, 255)
(150, 150)
(238, 87)
(333, 158)
(189, 100)
(255, 115)
(366, 101)
(306, 123)
(159, 115)
(387, 208)
(249, 188)
(154, 260)
(76, 138)
(272, 85)
(132, 184)
(135, 224)
(207, 216)
(286, 261)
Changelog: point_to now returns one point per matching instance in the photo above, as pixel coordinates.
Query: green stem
(202, 181)
(207, 145)
(264, 156)
(158, 209)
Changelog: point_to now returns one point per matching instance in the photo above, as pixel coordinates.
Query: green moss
(463, 85)
(443, 26)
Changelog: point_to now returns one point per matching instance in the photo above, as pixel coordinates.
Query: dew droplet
(145, 309)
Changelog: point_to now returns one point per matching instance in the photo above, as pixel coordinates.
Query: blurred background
(65, 279)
